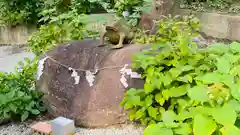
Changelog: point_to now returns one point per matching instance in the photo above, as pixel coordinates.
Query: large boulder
(90, 106)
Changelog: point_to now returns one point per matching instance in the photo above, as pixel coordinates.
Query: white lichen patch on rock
(90, 77)
(127, 71)
(75, 75)
(40, 67)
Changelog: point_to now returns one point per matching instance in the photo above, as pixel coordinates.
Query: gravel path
(8, 61)
(23, 129)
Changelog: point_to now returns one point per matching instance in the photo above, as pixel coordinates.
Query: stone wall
(215, 24)
(16, 35)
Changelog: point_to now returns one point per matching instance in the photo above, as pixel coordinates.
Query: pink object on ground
(42, 127)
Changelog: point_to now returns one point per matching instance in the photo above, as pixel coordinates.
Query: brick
(42, 127)
(63, 126)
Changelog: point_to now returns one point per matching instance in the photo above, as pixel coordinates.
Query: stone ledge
(215, 24)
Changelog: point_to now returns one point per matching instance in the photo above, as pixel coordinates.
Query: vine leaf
(227, 110)
(203, 125)
(199, 93)
(156, 129)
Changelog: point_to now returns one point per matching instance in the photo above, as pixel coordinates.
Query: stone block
(63, 126)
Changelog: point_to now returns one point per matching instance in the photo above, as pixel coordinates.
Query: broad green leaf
(155, 129)
(131, 114)
(166, 79)
(184, 129)
(218, 48)
(187, 78)
(183, 115)
(132, 91)
(234, 104)
(230, 130)
(226, 110)
(199, 93)
(203, 125)
(150, 71)
(145, 120)
(148, 87)
(235, 46)
(128, 105)
(209, 78)
(151, 122)
(152, 112)
(159, 98)
(24, 116)
(35, 111)
(166, 94)
(168, 117)
(175, 72)
(223, 65)
(13, 107)
(179, 91)
(148, 100)
(235, 70)
(228, 80)
(235, 90)
(134, 100)
(140, 113)
(187, 68)
(202, 110)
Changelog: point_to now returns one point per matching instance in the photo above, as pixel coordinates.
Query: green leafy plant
(62, 28)
(19, 98)
(19, 12)
(187, 90)
(169, 28)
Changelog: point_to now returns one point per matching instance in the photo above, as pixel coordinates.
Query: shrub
(168, 29)
(61, 28)
(187, 90)
(19, 12)
(19, 98)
